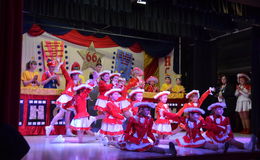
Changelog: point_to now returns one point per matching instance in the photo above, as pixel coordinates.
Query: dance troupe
(126, 120)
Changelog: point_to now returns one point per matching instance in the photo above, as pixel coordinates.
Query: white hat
(135, 91)
(242, 75)
(194, 109)
(82, 86)
(215, 105)
(192, 92)
(152, 78)
(121, 79)
(104, 72)
(75, 72)
(115, 74)
(112, 91)
(144, 104)
(161, 94)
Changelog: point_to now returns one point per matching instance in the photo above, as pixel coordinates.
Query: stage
(43, 148)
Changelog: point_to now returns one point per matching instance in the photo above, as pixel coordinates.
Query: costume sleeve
(209, 125)
(203, 97)
(129, 128)
(65, 73)
(103, 86)
(172, 116)
(132, 83)
(149, 133)
(113, 112)
(44, 76)
(180, 112)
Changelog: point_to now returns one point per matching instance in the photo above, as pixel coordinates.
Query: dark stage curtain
(10, 61)
(256, 80)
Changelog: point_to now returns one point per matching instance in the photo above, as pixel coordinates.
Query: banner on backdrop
(124, 63)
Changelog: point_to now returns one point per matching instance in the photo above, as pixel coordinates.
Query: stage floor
(42, 148)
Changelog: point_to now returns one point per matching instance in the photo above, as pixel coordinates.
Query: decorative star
(90, 57)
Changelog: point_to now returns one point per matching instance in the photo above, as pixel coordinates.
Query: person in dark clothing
(13, 145)
(225, 93)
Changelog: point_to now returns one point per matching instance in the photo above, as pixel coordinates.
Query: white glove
(212, 89)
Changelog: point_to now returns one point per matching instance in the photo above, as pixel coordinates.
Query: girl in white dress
(243, 106)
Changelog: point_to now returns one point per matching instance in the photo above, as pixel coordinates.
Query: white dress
(243, 101)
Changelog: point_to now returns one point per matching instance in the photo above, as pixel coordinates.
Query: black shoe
(226, 146)
(172, 149)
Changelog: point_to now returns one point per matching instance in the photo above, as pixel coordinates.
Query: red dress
(68, 93)
(191, 104)
(219, 137)
(125, 105)
(135, 83)
(102, 99)
(136, 134)
(151, 88)
(162, 125)
(133, 109)
(82, 120)
(112, 123)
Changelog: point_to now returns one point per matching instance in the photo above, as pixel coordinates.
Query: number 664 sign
(90, 59)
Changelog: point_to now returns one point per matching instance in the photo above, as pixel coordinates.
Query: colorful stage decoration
(51, 50)
(124, 63)
(37, 108)
(90, 57)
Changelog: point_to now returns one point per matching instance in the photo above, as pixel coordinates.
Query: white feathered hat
(161, 94)
(112, 91)
(192, 92)
(152, 78)
(215, 105)
(82, 86)
(75, 72)
(115, 74)
(135, 91)
(239, 75)
(194, 109)
(144, 104)
(104, 72)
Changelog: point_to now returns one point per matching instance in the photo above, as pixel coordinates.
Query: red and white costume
(137, 132)
(196, 105)
(162, 125)
(124, 102)
(82, 120)
(103, 88)
(69, 92)
(133, 109)
(221, 121)
(112, 123)
(193, 137)
(149, 87)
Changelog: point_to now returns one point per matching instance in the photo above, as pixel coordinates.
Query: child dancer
(114, 79)
(136, 96)
(193, 125)
(243, 106)
(124, 102)
(72, 80)
(151, 87)
(139, 129)
(195, 100)
(104, 86)
(217, 119)
(82, 120)
(137, 79)
(111, 127)
(49, 78)
(162, 126)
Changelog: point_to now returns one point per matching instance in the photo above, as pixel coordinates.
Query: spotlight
(141, 2)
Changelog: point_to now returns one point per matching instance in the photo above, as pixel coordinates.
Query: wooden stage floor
(42, 148)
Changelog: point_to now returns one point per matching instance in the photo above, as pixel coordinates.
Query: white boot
(48, 129)
(69, 133)
(104, 141)
(59, 139)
